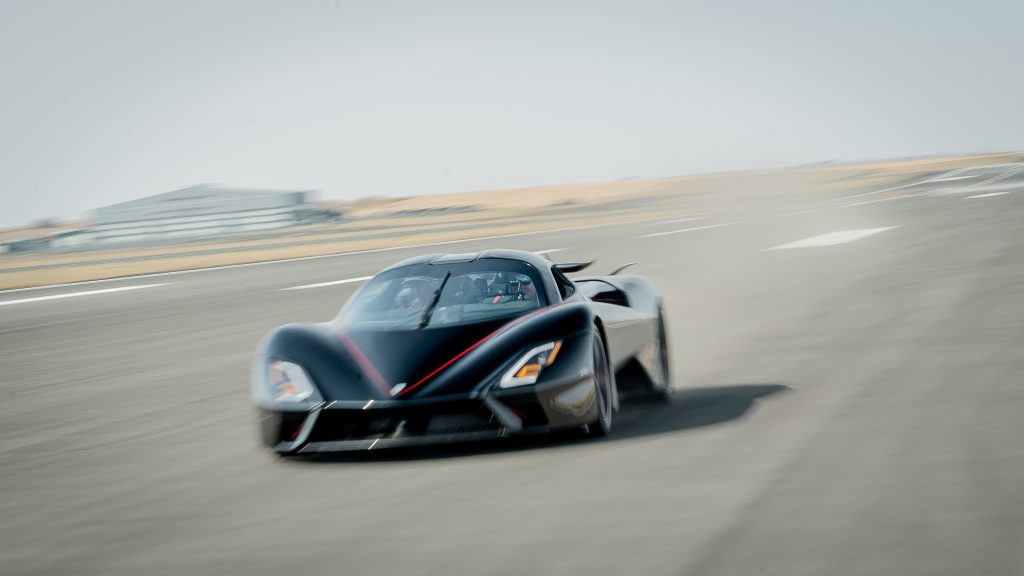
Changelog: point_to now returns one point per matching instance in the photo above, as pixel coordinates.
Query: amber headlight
(288, 382)
(529, 367)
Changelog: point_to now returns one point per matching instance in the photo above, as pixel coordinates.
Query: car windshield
(470, 292)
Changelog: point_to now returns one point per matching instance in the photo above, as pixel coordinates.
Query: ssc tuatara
(461, 347)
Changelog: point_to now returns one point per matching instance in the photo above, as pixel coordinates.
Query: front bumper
(376, 424)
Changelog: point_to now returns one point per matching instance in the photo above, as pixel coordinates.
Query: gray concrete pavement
(847, 409)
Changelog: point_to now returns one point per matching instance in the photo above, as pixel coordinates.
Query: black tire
(605, 389)
(664, 389)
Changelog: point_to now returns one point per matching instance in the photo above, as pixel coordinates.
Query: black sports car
(459, 347)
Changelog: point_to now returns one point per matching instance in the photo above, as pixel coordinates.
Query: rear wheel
(604, 389)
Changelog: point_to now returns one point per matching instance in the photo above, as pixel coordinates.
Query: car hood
(400, 360)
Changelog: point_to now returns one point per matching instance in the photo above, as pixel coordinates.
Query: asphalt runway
(853, 404)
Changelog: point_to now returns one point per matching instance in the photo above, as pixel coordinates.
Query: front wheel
(604, 389)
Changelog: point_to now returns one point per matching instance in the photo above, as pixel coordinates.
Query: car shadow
(688, 408)
(639, 416)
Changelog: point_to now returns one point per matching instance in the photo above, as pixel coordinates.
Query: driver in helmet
(520, 287)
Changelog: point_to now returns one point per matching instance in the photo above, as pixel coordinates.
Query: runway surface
(850, 376)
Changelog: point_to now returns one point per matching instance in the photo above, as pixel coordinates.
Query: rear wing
(569, 267)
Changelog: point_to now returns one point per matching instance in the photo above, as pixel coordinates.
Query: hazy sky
(108, 101)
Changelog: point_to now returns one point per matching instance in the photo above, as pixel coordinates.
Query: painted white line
(331, 283)
(918, 183)
(832, 238)
(687, 230)
(882, 200)
(986, 195)
(861, 203)
(798, 213)
(335, 255)
(552, 251)
(952, 178)
(1010, 170)
(678, 220)
(946, 177)
(85, 293)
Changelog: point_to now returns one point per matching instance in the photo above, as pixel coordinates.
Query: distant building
(197, 211)
(73, 239)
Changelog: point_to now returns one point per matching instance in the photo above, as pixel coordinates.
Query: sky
(105, 101)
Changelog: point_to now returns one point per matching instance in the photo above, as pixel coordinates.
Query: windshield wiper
(433, 300)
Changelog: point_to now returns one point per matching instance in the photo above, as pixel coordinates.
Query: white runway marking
(678, 220)
(986, 195)
(85, 293)
(1010, 171)
(882, 200)
(916, 183)
(331, 283)
(952, 178)
(958, 174)
(686, 230)
(798, 213)
(832, 238)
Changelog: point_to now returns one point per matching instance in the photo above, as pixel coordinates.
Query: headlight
(288, 382)
(529, 367)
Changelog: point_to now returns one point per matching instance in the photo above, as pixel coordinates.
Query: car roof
(531, 258)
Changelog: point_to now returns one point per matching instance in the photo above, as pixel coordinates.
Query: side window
(565, 286)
